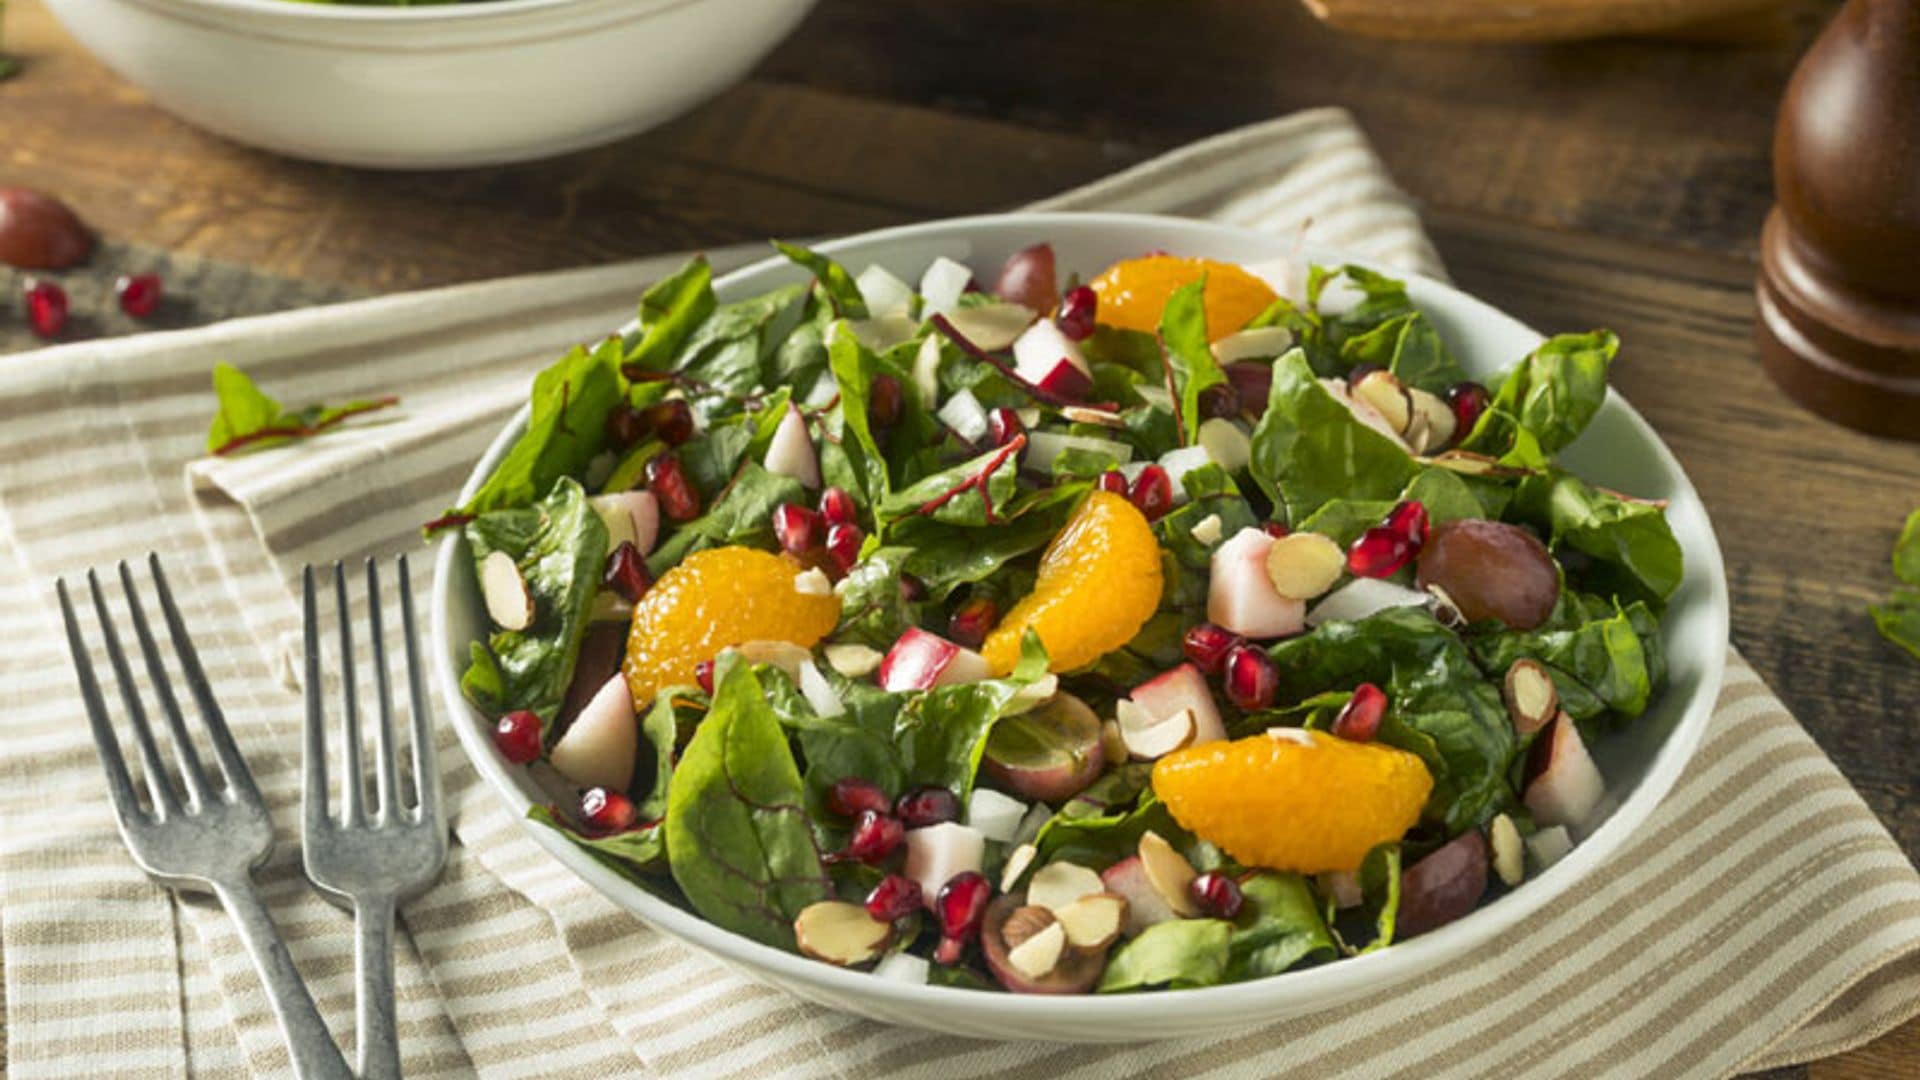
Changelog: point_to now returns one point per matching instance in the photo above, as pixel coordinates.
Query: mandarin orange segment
(713, 599)
(1303, 801)
(1099, 582)
(1135, 292)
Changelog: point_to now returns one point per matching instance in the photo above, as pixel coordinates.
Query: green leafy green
(833, 279)
(1408, 346)
(249, 419)
(1309, 450)
(633, 853)
(669, 312)
(1279, 926)
(738, 837)
(1553, 394)
(1446, 496)
(1178, 954)
(1183, 329)
(742, 515)
(942, 734)
(1380, 882)
(1898, 620)
(726, 359)
(975, 492)
(1630, 543)
(1593, 650)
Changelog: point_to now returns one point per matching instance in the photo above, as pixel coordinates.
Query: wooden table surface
(1611, 183)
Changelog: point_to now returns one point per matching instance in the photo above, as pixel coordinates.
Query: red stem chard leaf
(249, 419)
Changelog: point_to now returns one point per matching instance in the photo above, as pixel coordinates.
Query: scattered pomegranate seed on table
(1359, 719)
(1216, 895)
(669, 483)
(1380, 552)
(517, 737)
(961, 908)
(851, 796)
(703, 674)
(928, 805)
(1078, 310)
(606, 811)
(1207, 646)
(875, 838)
(139, 294)
(972, 621)
(1152, 492)
(626, 573)
(1252, 681)
(46, 307)
(895, 898)
(796, 527)
(837, 507)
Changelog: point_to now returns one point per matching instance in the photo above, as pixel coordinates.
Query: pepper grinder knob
(1839, 286)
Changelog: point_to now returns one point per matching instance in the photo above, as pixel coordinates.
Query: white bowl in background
(440, 86)
(1641, 764)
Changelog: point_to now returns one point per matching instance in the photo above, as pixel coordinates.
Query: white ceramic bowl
(1619, 450)
(440, 86)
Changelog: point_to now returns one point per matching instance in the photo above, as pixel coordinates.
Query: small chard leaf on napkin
(1189, 359)
(249, 419)
(834, 281)
(1552, 395)
(559, 545)
(1629, 547)
(1279, 926)
(738, 838)
(633, 853)
(567, 428)
(1179, 953)
(1309, 450)
(1898, 620)
(670, 311)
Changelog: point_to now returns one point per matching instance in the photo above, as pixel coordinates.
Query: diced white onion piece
(824, 390)
(965, 415)
(1225, 443)
(997, 816)
(1362, 597)
(884, 294)
(1549, 846)
(1259, 344)
(903, 967)
(819, 692)
(941, 286)
(1043, 447)
(991, 326)
(1179, 463)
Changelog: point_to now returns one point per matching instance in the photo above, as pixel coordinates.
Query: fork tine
(126, 805)
(426, 769)
(165, 803)
(240, 784)
(199, 789)
(313, 746)
(352, 784)
(386, 783)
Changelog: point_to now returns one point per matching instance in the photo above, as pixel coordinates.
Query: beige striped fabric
(1763, 916)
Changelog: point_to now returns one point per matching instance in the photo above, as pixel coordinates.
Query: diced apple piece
(921, 660)
(1037, 956)
(883, 293)
(1048, 754)
(1362, 597)
(598, 749)
(1240, 595)
(1093, 922)
(853, 661)
(936, 853)
(1128, 879)
(509, 601)
(1549, 846)
(997, 816)
(1182, 688)
(630, 516)
(840, 933)
(942, 285)
(791, 453)
(963, 413)
(903, 967)
(1564, 785)
(813, 581)
(1532, 699)
(1169, 872)
(1225, 443)
(991, 326)
(1058, 884)
(1444, 886)
(1036, 351)
(1303, 565)
(1063, 379)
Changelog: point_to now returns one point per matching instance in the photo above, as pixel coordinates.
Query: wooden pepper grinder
(1839, 287)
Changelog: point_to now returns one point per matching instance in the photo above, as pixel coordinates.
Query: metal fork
(210, 836)
(371, 857)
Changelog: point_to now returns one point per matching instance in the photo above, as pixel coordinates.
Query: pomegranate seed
(962, 905)
(1002, 425)
(625, 426)
(970, 623)
(1113, 480)
(1469, 400)
(606, 811)
(949, 952)
(883, 401)
(703, 674)
(139, 294)
(1252, 681)
(895, 898)
(1359, 719)
(796, 527)
(912, 589)
(1216, 894)
(1275, 529)
(626, 573)
(837, 507)
(843, 545)
(46, 307)
(669, 483)
(1219, 400)
(1380, 552)
(1252, 382)
(517, 736)
(1207, 646)
(851, 796)
(1409, 519)
(1152, 492)
(671, 420)
(875, 838)
(927, 805)
(1077, 312)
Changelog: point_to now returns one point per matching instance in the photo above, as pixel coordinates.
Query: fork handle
(309, 1043)
(379, 1043)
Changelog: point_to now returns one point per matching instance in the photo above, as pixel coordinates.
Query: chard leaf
(742, 515)
(1178, 954)
(841, 290)
(249, 419)
(559, 545)
(942, 734)
(1183, 330)
(974, 493)
(738, 837)
(1594, 652)
(634, 853)
(1552, 395)
(1279, 926)
(1408, 346)
(873, 608)
(1103, 824)
(1445, 495)
(727, 356)
(1380, 885)
(1898, 620)
(670, 310)
(1309, 450)
(1631, 544)
(1906, 552)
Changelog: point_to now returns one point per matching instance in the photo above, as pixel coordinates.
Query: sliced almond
(1169, 872)
(1093, 922)
(509, 602)
(1416, 433)
(1509, 851)
(1291, 734)
(784, 655)
(1151, 741)
(1468, 463)
(1440, 421)
(1037, 956)
(1383, 391)
(1058, 884)
(991, 326)
(1260, 344)
(1208, 531)
(813, 582)
(1017, 862)
(840, 933)
(1304, 565)
(1532, 699)
(1024, 923)
(853, 661)
(1445, 611)
(1080, 414)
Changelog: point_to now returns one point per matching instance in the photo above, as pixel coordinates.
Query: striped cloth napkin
(1762, 917)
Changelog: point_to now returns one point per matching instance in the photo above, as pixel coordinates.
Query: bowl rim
(1326, 983)
(462, 13)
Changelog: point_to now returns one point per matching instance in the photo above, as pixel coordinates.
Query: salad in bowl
(1064, 630)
